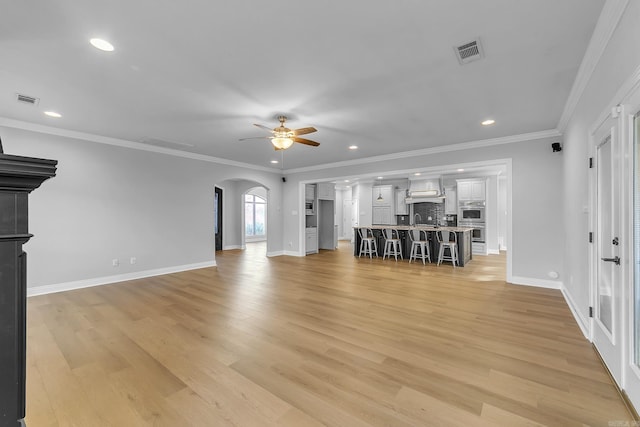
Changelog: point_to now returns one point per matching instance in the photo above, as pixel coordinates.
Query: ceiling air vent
(27, 99)
(469, 52)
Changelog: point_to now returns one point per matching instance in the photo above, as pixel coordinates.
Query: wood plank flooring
(328, 339)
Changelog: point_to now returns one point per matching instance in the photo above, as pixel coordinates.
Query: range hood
(425, 190)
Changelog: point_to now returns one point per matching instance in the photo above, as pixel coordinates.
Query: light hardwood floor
(328, 339)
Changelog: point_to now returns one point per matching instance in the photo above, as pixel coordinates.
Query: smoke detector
(469, 52)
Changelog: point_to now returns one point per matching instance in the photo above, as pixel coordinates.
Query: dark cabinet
(18, 177)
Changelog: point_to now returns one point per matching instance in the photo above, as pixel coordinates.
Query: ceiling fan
(283, 137)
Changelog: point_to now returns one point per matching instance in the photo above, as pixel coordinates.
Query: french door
(607, 275)
(630, 133)
(615, 289)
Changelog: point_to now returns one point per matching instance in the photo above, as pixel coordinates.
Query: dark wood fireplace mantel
(18, 177)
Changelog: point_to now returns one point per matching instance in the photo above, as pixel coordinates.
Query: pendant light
(380, 198)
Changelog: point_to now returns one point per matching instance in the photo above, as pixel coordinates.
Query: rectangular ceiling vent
(469, 52)
(27, 99)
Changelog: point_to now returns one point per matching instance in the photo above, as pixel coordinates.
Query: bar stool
(368, 243)
(392, 243)
(418, 244)
(444, 239)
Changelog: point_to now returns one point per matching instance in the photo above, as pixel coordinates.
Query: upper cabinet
(326, 191)
(310, 192)
(472, 190)
(451, 201)
(401, 205)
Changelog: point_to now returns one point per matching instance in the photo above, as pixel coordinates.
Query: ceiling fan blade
(304, 131)
(306, 141)
(263, 127)
(255, 137)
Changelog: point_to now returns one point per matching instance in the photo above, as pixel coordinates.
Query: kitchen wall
(111, 202)
(536, 198)
(491, 213)
(619, 62)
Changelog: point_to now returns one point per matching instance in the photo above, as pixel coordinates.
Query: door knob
(615, 260)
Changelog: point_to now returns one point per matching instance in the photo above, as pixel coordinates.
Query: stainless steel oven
(478, 232)
(471, 211)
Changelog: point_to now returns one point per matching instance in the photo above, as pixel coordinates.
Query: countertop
(419, 227)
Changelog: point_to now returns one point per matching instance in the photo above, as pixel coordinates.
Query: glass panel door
(604, 289)
(636, 238)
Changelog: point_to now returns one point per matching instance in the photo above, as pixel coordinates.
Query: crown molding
(50, 130)
(551, 133)
(605, 27)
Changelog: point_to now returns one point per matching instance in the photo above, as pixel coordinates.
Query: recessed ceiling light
(379, 177)
(460, 170)
(417, 174)
(102, 45)
(53, 114)
(488, 122)
(274, 161)
(346, 180)
(353, 147)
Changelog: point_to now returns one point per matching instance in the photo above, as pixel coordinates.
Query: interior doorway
(217, 214)
(255, 215)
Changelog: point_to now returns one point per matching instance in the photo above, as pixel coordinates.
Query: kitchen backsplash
(426, 210)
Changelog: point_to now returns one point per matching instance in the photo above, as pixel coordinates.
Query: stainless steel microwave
(471, 211)
(309, 207)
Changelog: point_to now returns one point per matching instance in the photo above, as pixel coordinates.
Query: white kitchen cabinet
(386, 191)
(472, 190)
(382, 215)
(326, 191)
(401, 206)
(311, 241)
(309, 192)
(451, 201)
(478, 190)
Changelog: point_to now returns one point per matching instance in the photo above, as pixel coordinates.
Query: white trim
(494, 252)
(17, 124)
(275, 253)
(552, 133)
(98, 281)
(582, 322)
(539, 283)
(607, 23)
(232, 247)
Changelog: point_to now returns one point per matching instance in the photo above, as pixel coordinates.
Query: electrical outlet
(133, 260)
(115, 262)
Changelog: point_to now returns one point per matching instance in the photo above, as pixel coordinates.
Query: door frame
(630, 107)
(611, 344)
(219, 212)
(622, 108)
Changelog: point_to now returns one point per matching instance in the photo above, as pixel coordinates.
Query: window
(254, 216)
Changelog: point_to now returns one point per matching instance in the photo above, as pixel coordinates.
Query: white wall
(110, 202)
(536, 200)
(492, 215)
(338, 219)
(502, 212)
(620, 60)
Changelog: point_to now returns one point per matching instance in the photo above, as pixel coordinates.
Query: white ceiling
(379, 74)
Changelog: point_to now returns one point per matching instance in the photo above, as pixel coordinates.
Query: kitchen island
(463, 235)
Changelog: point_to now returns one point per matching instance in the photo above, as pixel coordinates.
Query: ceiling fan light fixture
(282, 143)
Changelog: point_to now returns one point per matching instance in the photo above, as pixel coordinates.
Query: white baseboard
(503, 247)
(97, 281)
(494, 252)
(275, 253)
(530, 281)
(582, 322)
(292, 253)
(231, 247)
